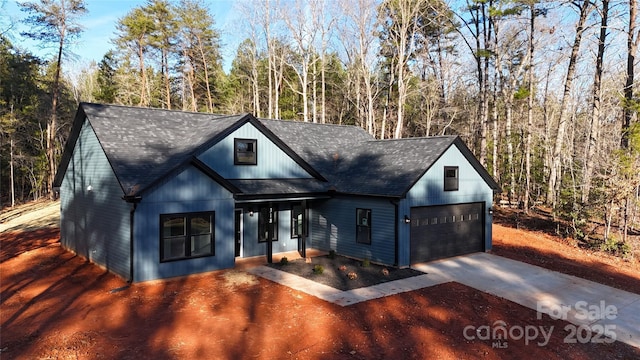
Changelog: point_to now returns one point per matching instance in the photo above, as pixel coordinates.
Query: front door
(299, 226)
(238, 232)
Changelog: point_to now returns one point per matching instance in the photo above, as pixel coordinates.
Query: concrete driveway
(606, 310)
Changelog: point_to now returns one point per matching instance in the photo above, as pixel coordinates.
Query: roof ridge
(163, 109)
(307, 122)
(417, 138)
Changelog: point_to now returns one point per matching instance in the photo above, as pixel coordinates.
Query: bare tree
(401, 21)
(585, 7)
(529, 128)
(594, 129)
(357, 36)
(633, 38)
(54, 21)
(303, 37)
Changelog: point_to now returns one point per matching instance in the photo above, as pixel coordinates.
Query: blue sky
(100, 26)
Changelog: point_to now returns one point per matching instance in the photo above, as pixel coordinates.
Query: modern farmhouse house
(151, 193)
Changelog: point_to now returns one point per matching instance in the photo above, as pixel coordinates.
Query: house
(151, 193)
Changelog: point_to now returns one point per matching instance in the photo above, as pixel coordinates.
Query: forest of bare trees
(543, 92)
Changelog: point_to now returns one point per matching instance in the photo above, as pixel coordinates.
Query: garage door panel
(446, 230)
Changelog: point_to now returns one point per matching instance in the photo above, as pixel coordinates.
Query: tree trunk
(255, 82)
(323, 91)
(495, 135)
(52, 127)
(270, 75)
(165, 75)
(527, 143)
(11, 177)
(632, 49)
(564, 118)
(594, 131)
(143, 75)
(205, 68)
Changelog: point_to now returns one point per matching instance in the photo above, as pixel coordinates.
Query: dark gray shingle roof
(354, 162)
(143, 144)
(276, 187)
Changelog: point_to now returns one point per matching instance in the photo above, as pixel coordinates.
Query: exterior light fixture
(407, 220)
(89, 188)
(490, 211)
(250, 211)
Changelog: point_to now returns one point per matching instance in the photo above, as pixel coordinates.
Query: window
(450, 178)
(267, 224)
(363, 226)
(184, 236)
(245, 152)
(296, 221)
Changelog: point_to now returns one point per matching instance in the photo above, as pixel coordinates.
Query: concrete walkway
(561, 296)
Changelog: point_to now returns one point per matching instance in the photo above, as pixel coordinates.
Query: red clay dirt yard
(55, 305)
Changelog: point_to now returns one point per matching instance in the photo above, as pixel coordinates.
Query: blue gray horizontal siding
(273, 163)
(251, 246)
(429, 190)
(94, 224)
(333, 227)
(188, 191)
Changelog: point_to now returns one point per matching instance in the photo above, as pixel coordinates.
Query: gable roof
(145, 145)
(141, 144)
(356, 163)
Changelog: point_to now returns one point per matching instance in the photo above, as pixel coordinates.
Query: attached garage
(446, 230)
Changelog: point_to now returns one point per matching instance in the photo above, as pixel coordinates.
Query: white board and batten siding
(94, 218)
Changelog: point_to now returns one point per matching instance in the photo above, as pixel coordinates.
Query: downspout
(133, 200)
(397, 234)
(131, 231)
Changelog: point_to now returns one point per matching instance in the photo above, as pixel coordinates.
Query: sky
(100, 26)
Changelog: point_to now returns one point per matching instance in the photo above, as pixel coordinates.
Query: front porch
(255, 261)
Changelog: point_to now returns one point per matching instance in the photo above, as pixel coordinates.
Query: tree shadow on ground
(15, 243)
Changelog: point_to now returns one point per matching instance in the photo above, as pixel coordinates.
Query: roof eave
(69, 146)
(480, 169)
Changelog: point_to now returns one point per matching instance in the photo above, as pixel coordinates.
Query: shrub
(352, 275)
(332, 254)
(343, 268)
(385, 272)
(318, 269)
(612, 245)
(284, 261)
(366, 262)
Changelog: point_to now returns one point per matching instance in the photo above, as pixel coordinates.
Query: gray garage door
(444, 231)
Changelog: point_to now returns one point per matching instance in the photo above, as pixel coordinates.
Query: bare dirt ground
(54, 305)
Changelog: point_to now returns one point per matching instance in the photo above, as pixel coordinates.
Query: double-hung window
(184, 236)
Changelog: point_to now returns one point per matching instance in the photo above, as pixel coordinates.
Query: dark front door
(268, 228)
(238, 231)
(299, 226)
